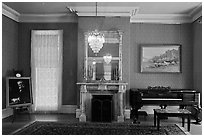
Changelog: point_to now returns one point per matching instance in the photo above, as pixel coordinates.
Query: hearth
(102, 108)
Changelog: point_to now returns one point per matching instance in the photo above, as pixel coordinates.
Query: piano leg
(197, 114)
(163, 106)
(155, 118)
(158, 122)
(134, 113)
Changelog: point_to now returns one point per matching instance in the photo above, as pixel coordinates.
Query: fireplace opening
(102, 108)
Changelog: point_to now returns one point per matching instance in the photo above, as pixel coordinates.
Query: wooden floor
(22, 120)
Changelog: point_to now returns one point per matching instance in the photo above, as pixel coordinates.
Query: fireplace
(101, 101)
(102, 108)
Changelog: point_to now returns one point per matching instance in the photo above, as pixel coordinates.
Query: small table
(20, 108)
(184, 113)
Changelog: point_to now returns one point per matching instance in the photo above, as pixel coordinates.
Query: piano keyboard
(157, 99)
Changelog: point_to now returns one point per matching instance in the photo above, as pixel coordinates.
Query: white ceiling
(142, 10)
(86, 7)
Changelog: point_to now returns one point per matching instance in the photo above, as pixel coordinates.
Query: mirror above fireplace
(106, 65)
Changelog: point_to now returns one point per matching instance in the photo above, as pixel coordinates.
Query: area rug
(90, 128)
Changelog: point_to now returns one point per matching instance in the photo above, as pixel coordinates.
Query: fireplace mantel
(102, 83)
(101, 77)
(102, 88)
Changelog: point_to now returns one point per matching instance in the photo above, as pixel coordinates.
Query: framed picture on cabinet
(160, 58)
(18, 91)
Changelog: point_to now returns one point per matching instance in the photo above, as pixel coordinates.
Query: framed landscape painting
(161, 58)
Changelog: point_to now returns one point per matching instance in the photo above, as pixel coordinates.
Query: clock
(18, 75)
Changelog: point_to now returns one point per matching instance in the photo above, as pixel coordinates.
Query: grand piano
(165, 96)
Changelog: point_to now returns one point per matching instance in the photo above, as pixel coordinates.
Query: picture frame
(18, 91)
(160, 58)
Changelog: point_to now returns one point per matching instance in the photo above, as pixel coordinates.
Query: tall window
(46, 69)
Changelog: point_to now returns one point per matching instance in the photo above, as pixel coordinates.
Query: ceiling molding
(196, 13)
(105, 11)
(106, 14)
(9, 12)
(134, 18)
(161, 18)
(48, 18)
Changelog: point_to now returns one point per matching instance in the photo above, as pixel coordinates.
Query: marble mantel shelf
(102, 83)
(88, 86)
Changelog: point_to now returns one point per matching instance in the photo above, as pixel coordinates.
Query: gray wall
(69, 54)
(161, 34)
(16, 53)
(197, 60)
(9, 52)
(134, 35)
(103, 24)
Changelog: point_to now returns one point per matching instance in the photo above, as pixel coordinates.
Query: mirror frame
(110, 37)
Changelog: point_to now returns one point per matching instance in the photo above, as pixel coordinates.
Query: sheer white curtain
(46, 69)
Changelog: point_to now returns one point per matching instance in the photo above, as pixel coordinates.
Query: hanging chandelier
(96, 39)
(107, 58)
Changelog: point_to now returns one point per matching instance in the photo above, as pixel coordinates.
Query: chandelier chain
(96, 9)
(96, 39)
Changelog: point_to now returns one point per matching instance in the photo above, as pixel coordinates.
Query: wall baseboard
(72, 109)
(68, 109)
(6, 112)
(64, 109)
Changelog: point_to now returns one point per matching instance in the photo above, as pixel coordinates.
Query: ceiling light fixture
(96, 39)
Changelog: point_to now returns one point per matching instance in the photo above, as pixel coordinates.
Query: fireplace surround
(89, 90)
